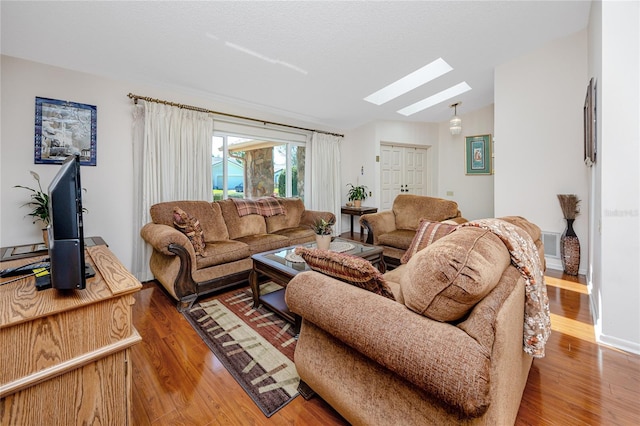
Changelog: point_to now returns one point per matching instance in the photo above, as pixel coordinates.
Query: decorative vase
(323, 241)
(357, 203)
(45, 237)
(570, 249)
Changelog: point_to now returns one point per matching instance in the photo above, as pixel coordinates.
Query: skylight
(435, 99)
(411, 81)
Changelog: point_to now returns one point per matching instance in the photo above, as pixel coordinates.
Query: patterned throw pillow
(351, 269)
(426, 233)
(190, 226)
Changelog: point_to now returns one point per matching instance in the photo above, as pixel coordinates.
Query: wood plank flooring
(178, 381)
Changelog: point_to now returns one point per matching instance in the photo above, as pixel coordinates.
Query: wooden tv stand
(65, 356)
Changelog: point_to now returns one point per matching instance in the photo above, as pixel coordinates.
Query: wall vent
(551, 241)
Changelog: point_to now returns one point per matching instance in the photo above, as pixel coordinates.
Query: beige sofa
(394, 229)
(230, 240)
(379, 361)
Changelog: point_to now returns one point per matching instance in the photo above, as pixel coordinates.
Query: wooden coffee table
(276, 266)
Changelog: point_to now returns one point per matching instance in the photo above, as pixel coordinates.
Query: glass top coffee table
(281, 265)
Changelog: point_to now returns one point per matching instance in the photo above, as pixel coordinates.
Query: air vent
(551, 241)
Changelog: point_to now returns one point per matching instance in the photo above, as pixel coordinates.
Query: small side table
(357, 211)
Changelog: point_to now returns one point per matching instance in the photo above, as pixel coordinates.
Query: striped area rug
(255, 345)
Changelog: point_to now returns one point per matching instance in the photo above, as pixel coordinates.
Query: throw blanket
(524, 256)
(268, 206)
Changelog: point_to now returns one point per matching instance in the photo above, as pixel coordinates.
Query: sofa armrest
(310, 216)
(378, 224)
(173, 261)
(437, 357)
(162, 237)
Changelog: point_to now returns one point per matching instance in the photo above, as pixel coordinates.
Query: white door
(403, 169)
(390, 172)
(415, 171)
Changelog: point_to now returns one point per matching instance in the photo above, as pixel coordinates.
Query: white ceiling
(310, 61)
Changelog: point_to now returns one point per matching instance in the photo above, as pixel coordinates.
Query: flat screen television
(66, 236)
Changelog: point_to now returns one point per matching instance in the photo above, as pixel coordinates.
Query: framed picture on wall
(590, 128)
(478, 155)
(64, 128)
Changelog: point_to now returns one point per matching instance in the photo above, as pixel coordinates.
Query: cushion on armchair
(409, 209)
(348, 268)
(449, 277)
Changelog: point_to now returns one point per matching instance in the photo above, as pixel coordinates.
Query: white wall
(539, 137)
(615, 282)
(357, 152)
(473, 193)
(109, 195)
(538, 126)
(361, 146)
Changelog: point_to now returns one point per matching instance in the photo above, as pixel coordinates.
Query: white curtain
(325, 175)
(172, 161)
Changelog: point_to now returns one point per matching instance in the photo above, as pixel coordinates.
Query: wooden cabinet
(65, 356)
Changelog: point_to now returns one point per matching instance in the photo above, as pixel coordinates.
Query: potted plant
(356, 194)
(323, 229)
(40, 204)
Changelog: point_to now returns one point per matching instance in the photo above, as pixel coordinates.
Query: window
(243, 167)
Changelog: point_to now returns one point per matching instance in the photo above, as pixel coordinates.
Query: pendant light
(455, 124)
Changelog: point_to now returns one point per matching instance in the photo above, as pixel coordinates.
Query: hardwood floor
(579, 382)
(177, 380)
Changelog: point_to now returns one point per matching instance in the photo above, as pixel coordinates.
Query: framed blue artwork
(64, 128)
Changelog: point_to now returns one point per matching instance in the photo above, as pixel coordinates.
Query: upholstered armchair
(394, 229)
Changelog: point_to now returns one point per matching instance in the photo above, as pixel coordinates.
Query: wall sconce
(455, 124)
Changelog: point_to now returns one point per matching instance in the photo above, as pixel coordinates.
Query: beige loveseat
(379, 361)
(229, 241)
(394, 229)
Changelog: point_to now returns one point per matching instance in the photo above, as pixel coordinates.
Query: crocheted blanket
(267, 206)
(524, 256)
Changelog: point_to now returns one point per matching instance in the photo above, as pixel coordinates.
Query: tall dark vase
(570, 249)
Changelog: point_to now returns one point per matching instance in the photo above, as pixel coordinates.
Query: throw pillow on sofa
(449, 277)
(427, 233)
(190, 226)
(351, 269)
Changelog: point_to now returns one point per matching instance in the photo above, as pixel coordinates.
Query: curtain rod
(193, 108)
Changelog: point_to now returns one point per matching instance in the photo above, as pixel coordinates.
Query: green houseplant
(356, 194)
(323, 229)
(39, 202)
